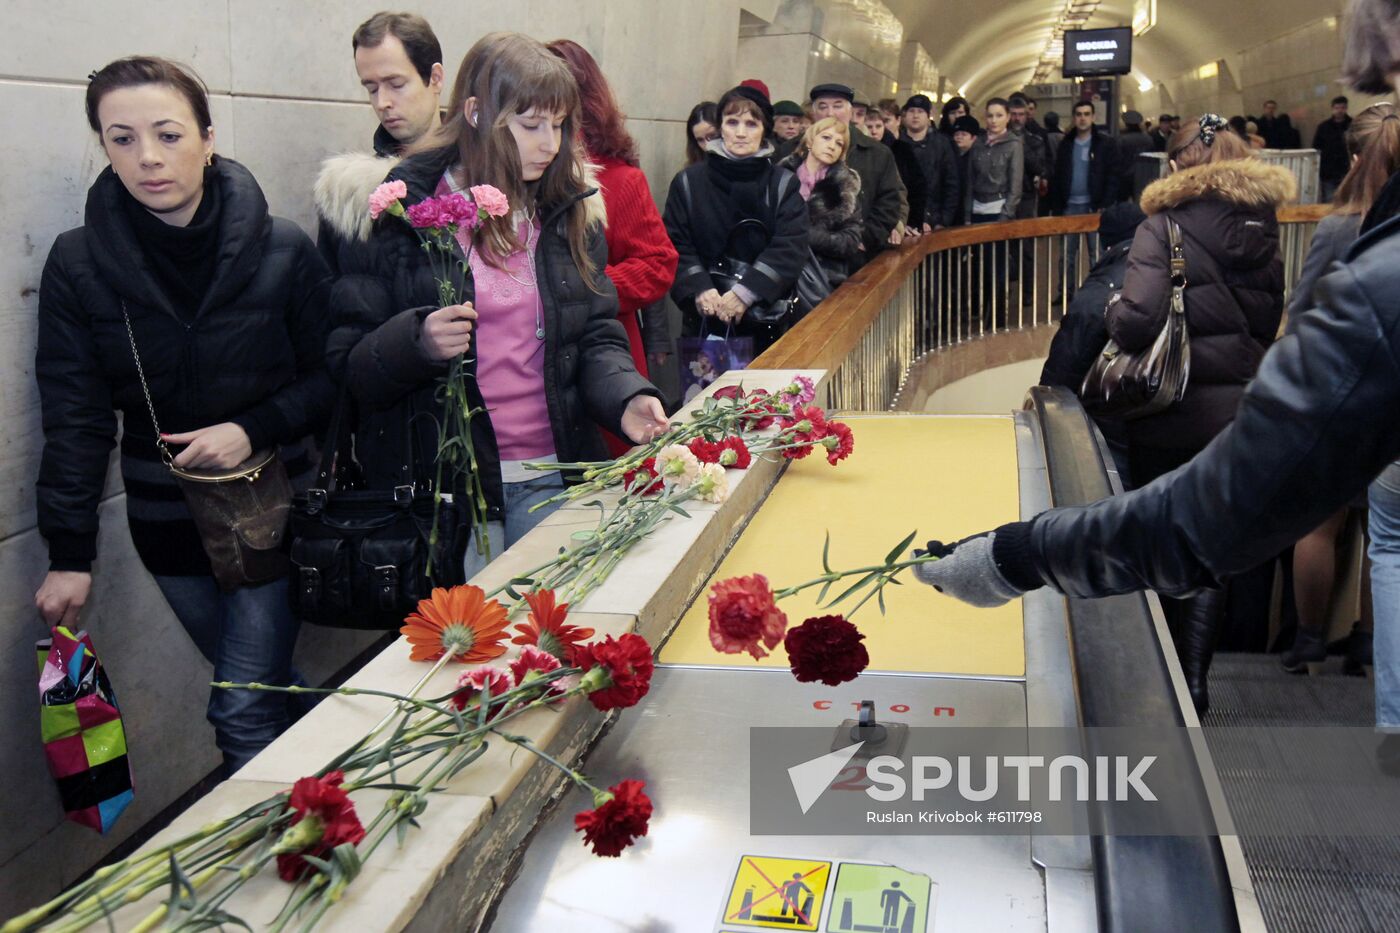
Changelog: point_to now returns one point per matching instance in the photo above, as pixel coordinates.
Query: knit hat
(758, 86)
(919, 102)
(832, 90)
(751, 94)
(1120, 222)
(787, 108)
(967, 124)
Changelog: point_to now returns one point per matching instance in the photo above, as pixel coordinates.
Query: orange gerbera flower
(545, 627)
(460, 620)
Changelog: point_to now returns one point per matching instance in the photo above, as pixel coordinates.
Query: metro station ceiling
(992, 46)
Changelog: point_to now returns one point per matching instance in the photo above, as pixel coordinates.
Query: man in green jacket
(884, 204)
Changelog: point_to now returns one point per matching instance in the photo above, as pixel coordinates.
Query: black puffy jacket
(254, 354)
(1082, 333)
(1227, 212)
(379, 306)
(1313, 429)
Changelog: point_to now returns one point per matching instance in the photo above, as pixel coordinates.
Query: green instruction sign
(879, 899)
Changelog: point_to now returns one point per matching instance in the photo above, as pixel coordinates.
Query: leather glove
(966, 571)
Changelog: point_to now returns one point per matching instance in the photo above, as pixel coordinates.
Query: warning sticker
(879, 899)
(778, 893)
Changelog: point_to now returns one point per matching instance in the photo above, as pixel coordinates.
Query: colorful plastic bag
(704, 359)
(84, 740)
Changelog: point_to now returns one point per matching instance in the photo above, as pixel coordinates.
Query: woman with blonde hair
(1373, 143)
(1225, 203)
(831, 189)
(537, 316)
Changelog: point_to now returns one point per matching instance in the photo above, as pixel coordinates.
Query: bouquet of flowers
(445, 226)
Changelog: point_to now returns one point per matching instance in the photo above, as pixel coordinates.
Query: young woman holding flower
(226, 306)
(537, 320)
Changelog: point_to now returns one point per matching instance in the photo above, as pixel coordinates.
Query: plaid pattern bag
(82, 729)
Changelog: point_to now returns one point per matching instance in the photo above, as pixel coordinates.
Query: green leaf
(320, 864)
(901, 547)
(584, 534)
(347, 859)
(679, 511)
(826, 588)
(826, 554)
(860, 583)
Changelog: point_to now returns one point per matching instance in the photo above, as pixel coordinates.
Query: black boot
(1201, 622)
(1309, 647)
(1359, 653)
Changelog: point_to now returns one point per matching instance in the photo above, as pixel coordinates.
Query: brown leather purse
(241, 512)
(1125, 386)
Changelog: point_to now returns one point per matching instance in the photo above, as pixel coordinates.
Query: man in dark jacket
(1037, 160)
(1085, 179)
(1277, 129)
(1331, 140)
(938, 161)
(1161, 133)
(884, 202)
(905, 162)
(399, 62)
(1132, 142)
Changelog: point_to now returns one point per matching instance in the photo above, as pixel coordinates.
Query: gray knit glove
(966, 571)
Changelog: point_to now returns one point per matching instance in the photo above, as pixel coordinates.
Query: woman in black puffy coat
(227, 307)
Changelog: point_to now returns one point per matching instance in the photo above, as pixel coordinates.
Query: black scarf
(182, 259)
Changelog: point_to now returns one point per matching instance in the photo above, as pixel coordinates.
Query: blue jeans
(1072, 246)
(519, 519)
(248, 635)
(1385, 595)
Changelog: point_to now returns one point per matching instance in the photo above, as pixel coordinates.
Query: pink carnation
(799, 392)
(459, 211)
(490, 200)
(385, 196)
(427, 213)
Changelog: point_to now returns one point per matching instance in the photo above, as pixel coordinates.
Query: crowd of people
(220, 332)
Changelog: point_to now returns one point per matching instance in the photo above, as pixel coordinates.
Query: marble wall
(285, 96)
(917, 73)
(807, 42)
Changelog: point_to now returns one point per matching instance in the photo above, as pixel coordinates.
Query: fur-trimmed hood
(1245, 182)
(346, 181)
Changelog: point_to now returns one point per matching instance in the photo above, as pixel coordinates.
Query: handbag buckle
(315, 500)
(403, 496)
(386, 586)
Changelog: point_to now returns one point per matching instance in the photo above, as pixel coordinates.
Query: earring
(209, 158)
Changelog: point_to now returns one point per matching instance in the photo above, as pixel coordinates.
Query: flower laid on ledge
(617, 672)
(620, 815)
(744, 616)
(798, 392)
(546, 628)
(475, 685)
(826, 649)
(461, 623)
(324, 819)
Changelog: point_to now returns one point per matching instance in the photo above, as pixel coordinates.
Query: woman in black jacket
(1226, 203)
(551, 363)
(710, 212)
(226, 306)
(831, 189)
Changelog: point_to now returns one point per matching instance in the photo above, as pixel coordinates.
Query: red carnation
(324, 819)
(730, 392)
(617, 671)
(765, 408)
(805, 426)
(744, 615)
(826, 648)
(618, 817)
(839, 442)
(533, 664)
(705, 451)
(648, 468)
(734, 454)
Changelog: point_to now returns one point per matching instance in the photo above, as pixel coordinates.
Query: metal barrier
(953, 286)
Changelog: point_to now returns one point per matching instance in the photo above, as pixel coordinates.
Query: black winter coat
(911, 174)
(1082, 332)
(254, 354)
(703, 207)
(1234, 292)
(1104, 173)
(833, 213)
(938, 158)
(1331, 141)
(379, 306)
(1313, 430)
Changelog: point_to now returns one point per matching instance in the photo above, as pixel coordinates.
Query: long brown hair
(509, 73)
(1374, 138)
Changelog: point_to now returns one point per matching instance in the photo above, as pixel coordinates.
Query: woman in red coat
(641, 259)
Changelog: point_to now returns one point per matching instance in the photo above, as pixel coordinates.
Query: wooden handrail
(825, 337)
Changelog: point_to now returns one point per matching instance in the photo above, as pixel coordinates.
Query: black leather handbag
(360, 556)
(726, 272)
(1125, 386)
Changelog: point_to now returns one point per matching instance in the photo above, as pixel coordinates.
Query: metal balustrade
(954, 286)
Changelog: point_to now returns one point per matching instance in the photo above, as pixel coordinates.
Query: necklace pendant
(539, 333)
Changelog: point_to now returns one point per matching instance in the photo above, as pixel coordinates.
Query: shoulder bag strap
(337, 440)
(1178, 255)
(146, 389)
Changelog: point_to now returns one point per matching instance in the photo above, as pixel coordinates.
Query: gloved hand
(966, 571)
